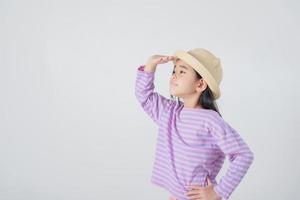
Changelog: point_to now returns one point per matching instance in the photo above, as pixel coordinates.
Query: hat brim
(200, 68)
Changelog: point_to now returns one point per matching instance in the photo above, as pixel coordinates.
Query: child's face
(184, 81)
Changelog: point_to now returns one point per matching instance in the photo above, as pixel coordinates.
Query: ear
(201, 85)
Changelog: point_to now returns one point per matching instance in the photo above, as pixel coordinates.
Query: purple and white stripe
(191, 143)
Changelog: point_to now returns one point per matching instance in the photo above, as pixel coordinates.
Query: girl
(193, 138)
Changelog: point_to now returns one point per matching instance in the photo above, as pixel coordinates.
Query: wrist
(217, 195)
(150, 67)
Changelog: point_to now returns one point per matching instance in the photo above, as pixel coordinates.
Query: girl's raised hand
(159, 59)
(154, 60)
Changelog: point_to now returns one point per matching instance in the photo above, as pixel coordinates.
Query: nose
(174, 76)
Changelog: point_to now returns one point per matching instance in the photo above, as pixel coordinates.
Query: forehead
(181, 64)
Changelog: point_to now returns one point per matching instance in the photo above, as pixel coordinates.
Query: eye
(181, 72)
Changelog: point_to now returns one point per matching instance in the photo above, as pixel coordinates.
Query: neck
(187, 105)
(192, 102)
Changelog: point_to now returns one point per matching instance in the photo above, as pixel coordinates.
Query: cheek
(186, 81)
(187, 85)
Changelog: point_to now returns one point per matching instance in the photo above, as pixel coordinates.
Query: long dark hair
(206, 99)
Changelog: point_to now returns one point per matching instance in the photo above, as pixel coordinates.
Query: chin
(175, 94)
(172, 92)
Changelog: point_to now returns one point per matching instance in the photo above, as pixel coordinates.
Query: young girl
(193, 138)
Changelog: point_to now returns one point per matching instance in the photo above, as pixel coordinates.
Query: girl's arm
(152, 102)
(239, 154)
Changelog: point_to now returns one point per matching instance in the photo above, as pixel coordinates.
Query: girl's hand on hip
(202, 193)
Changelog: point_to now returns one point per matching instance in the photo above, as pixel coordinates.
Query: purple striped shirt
(191, 143)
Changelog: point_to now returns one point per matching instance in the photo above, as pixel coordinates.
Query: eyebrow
(182, 67)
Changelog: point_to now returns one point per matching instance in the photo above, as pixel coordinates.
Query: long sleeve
(152, 102)
(239, 154)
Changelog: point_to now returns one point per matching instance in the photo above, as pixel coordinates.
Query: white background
(71, 127)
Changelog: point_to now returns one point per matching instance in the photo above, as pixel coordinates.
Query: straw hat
(206, 64)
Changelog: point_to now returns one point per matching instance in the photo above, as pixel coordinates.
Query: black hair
(206, 99)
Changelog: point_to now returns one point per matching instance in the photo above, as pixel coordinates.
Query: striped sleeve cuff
(141, 67)
(220, 192)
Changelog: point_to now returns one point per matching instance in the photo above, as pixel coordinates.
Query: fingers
(171, 57)
(160, 59)
(193, 187)
(192, 192)
(166, 58)
(194, 195)
(208, 181)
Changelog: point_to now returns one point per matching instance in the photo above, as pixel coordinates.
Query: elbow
(137, 97)
(247, 157)
(138, 94)
(250, 157)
